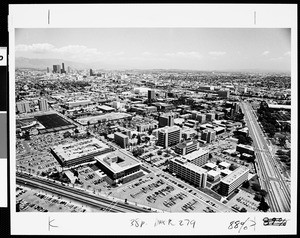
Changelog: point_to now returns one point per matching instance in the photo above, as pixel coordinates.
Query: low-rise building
(118, 164)
(82, 151)
(245, 149)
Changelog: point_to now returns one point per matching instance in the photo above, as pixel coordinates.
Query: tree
(139, 140)
(27, 135)
(282, 141)
(256, 187)
(257, 197)
(150, 132)
(243, 209)
(67, 134)
(263, 193)
(138, 152)
(232, 167)
(263, 206)
(246, 184)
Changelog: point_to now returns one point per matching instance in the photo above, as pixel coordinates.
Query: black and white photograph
(190, 121)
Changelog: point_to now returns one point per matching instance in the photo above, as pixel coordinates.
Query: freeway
(100, 202)
(271, 180)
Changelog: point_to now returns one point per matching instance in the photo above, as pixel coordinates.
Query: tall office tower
(56, 68)
(48, 70)
(43, 105)
(151, 95)
(169, 136)
(22, 107)
(69, 69)
(63, 68)
(210, 116)
(121, 139)
(236, 107)
(186, 147)
(166, 120)
(201, 118)
(208, 135)
(91, 72)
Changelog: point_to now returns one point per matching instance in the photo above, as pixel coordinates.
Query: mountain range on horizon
(42, 64)
(22, 62)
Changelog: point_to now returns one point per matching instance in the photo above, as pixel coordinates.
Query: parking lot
(34, 200)
(161, 194)
(92, 179)
(245, 200)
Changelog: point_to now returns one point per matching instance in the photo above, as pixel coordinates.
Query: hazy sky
(169, 48)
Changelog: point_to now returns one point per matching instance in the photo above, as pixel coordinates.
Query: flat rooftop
(186, 143)
(121, 135)
(118, 161)
(210, 165)
(235, 174)
(189, 165)
(224, 164)
(277, 106)
(226, 171)
(168, 129)
(195, 154)
(79, 101)
(106, 108)
(213, 173)
(78, 149)
(246, 146)
(108, 116)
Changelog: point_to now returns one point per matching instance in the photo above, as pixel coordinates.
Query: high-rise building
(201, 118)
(233, 180)
(151, 95)
(210, 116)
(187, 147)
(166, 120)
(22, 107)
(220, 115)
(91, 72)
(48, 70)
(169, 136)
(188, 171)
(121, 139)
(208, 135)
(235, 107)
(69, 69)
(43, 104)
(56, 69)
(63, 71)
(198, 157)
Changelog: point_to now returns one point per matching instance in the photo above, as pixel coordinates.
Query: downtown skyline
(219, 49)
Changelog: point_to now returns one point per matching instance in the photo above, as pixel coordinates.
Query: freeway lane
(279, 193)
(107, 204)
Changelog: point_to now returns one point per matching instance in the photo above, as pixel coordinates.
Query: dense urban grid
(152, 141)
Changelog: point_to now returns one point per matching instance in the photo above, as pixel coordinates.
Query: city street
(269, 176)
